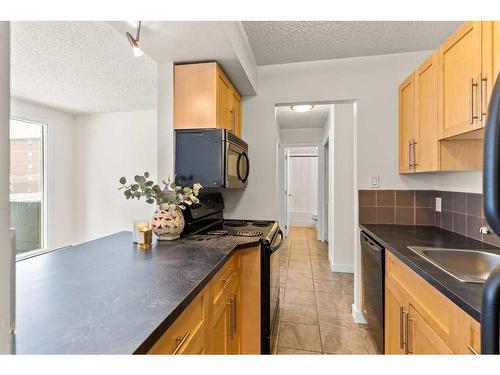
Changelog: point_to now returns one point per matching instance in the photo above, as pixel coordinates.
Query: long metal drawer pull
(235, 314)
(226, 281)
(405, 331)
(471, 349)
(483, 81)
(180, 342)
(472, 116)
(414, 154)
(408, 338)
(401, 328)
(410, 164)
(230, 330)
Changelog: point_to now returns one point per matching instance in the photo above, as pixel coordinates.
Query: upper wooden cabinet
(407, 125)
(418, 144)
(459, 86)
(205, 98)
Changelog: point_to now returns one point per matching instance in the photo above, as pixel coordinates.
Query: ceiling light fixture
(302, 107)
(134, 42)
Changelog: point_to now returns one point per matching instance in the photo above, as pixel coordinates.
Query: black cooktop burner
(235, 223)
(244, 233)
(261, 223)
(218, 232)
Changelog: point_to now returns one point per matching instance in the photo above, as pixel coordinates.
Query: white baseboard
(358, 315)
(303, 223)
(345, 268)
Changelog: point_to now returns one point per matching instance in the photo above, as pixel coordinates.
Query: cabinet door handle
(180, 342)
(414, 155)
(482, 86)
(233, 313)
(230, 323)
(472, 350)
(401, 328)
(233, 273)
(472, 116)
(408, 336)
(235, 310)
(410, 164)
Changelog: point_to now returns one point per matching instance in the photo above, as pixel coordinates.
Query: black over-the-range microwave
(212, 157)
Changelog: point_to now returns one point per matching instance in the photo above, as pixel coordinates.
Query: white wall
(109, 146)
(60, 155)
(165, 137)
(373, 83)
(6, 271)
(343, 195)
(309, 136)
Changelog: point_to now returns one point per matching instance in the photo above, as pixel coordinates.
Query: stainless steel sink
(468, 266)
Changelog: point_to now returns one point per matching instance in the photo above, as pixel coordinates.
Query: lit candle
(138, 225)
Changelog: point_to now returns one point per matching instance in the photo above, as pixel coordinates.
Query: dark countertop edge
(148, 343)
(457, 300)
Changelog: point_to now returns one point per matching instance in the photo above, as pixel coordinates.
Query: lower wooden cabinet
(214, 322)
(421, 320)
(188, 334)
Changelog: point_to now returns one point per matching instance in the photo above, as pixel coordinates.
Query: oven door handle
(272, 249)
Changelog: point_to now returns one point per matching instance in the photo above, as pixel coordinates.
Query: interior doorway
(302, 185)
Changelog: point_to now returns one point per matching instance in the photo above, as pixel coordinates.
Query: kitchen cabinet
(396, 307)
(407, 125)
(224, 298)
(422, 339)
(425, 144)
(205, 98)
(421, 320)
(188, 334)
(460, 81)
(224, 318)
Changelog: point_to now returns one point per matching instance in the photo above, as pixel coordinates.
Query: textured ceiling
(80, 67)
(281, 42)
(315, 118)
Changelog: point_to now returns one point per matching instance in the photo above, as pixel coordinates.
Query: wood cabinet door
(224, 99)
(236, 114)
(234, 296)
(458, 75)
(406, 124)
(395, 320)
(219, 332)
(422, 339)
(491, 61)
(426, 116)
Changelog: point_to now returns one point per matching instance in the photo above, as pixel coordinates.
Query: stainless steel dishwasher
(372, 266)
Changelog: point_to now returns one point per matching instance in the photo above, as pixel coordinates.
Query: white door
(303, 189)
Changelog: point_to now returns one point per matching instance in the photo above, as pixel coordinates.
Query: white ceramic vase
(168, 225)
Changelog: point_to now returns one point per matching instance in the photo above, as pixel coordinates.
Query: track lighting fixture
(134, 42)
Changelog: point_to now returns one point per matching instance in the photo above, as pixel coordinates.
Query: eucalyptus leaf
(123, 180)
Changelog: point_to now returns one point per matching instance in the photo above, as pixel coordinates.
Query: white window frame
(44, 206)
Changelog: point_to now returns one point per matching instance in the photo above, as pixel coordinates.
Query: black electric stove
(207, 218)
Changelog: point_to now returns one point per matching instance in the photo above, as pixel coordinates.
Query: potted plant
(168, 220)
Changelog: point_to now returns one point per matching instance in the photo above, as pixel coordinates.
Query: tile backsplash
(460, 212)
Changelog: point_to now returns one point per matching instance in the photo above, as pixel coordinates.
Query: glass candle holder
(138, 225)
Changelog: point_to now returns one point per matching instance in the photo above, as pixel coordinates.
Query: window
(27, 187)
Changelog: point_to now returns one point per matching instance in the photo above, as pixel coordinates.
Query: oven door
(274, 293)
(237, 166)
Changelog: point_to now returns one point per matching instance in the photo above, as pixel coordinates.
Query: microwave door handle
(238, 171)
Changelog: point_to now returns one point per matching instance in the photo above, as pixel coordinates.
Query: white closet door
(303, 185)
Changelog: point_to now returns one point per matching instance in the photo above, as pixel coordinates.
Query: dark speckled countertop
(109, 297)
(396, 238)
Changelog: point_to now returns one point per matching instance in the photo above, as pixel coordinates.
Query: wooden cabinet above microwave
(205, 98)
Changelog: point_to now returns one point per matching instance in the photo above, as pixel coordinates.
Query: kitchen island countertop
(396, 238)
(108, 296)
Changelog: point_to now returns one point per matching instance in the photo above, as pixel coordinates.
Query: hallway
(316, 313)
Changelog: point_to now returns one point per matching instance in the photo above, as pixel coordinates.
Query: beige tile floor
(316, 309)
